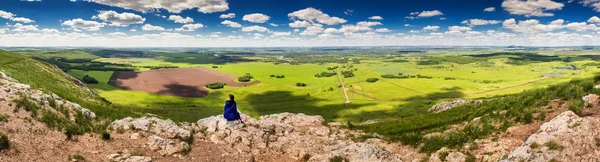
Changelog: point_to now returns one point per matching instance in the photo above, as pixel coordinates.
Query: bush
(301, 84)
(52, 102)
(28, 105)
(245, 78)
(338, 159)
(372, 80)
(392, 76)
(577, 107)
(74, 129)
(76, 158)
(4, 141)
(105, 136)
(4, 117)
(280, 76)
(214, 67)
(325, 74)
(272, 75)
(217, 85)
(89, 80)
(347, 74)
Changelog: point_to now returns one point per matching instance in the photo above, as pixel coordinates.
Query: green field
(382, 100)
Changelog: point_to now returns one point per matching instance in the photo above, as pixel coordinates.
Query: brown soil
(187, 82)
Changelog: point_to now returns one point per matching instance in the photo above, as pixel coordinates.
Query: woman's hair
(231, 98)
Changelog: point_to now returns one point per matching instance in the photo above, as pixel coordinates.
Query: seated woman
(231, 113)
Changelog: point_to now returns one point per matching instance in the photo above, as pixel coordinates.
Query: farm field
(387, 98)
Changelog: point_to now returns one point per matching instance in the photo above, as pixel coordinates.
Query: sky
(298, 23)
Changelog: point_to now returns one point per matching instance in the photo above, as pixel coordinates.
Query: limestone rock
(127, 158)
(164, 128)
(591, 98)
(449, 105)
(358, 152)
(166, 146)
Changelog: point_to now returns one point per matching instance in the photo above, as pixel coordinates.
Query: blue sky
(203, 23)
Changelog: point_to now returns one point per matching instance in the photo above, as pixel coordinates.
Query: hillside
(45, 115)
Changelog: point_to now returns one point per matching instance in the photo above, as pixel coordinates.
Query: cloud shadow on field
(179, 90)
(448, 93)
(273, 102)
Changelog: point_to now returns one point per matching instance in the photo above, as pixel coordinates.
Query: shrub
(4, 141)
(105, 136)
(347, 74)
(392, 76)
(214, 67)
(306, 157)
(338, 159)
(412, 138)
(77, 158)
(89, 80)
(577, 107)
(74, 129)
(280, 76)
(301, 84)
(528, 117)
(28, 105)
(272, 75)
(52, 102)
(217, 85)
(52, 120)
(4, 117)
(325, 74)
(552, 145)
(245, 78)
(372, 80)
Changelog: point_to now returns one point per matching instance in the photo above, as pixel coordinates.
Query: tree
(372, 80)
(90, 80)
(216, 85)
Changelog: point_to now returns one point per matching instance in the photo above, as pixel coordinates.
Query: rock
(591, 98)
(572, 138)
(134, 136)
(218, 123)
(456, 157)
(319, 131)
(56, 97)
(358, 152)
(3, 75)
(166, 146)
(449, 105)
(164, 128)
(293, 119)
(128, 158)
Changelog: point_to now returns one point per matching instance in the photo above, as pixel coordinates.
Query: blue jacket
(230, 111)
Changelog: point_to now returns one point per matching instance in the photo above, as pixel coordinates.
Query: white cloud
(299, 24)
(190, 27)
(21, 28)
(118, 34)
(133, 30)
(256, 18)
(489, 9)
(459, 28)
(255, 28)
(531, 7)
(272, 24)
(227, 16)
(383, 30)
(231, 24)
(593, 3)
(532, 26)
(477, 22)
(148, 27)
(314, 29)
(181, 20)
(330, 30)
(375, 18)
(2, 30)
(430, 13)
(79, 23)
(282, 34)
(407, 25)
(594, 19)
(174, 6)
(582, 26)
(311, 14)
(6, 15)
(50, 31)
(443, 18)
(432, 28)
(120, 19)
(22, 19)
(368, 23)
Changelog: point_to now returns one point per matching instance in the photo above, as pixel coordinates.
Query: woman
(231, 113)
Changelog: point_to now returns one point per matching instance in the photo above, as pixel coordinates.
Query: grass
(552, 145)
(3, 118)
(4, 141)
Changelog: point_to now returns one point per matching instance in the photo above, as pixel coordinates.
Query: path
(343, 87)
(504, 88)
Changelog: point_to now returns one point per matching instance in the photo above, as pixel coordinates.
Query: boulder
(292, 119)
(358, 152)
(163, 128)
(591, 98)
(128, 158)
(166, 146)
(449, 105)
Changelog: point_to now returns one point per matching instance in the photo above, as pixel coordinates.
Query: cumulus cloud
(282, 34)
(117, 34)
(174, 6)
(312, 14)
(299, 24)
(148, 27)
(314, 29)
(594, 19)
(592, 3)
(21, 28)
(430, 13)
(227, 16)
(181, 20)
(22, 19)
(489, 9)
(530, 8)
(459, 28)
(190, 27)
(6, 15)
(368, 23)
(272, 24)
(50, 31)
(383, 30)
(477, 22)
(432, 28)
(231, 24)
(2, 30)
(256, 18)
(532, 26)
(582, 26)
(375, 18)
(255, 28)
(120, 19)
(79, 23)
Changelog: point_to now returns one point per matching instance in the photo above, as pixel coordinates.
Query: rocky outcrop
(567, 137)
(166, 146)
(153, 125)
(127, 158)
(449, 105)
(298, 135)
(591, 98)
